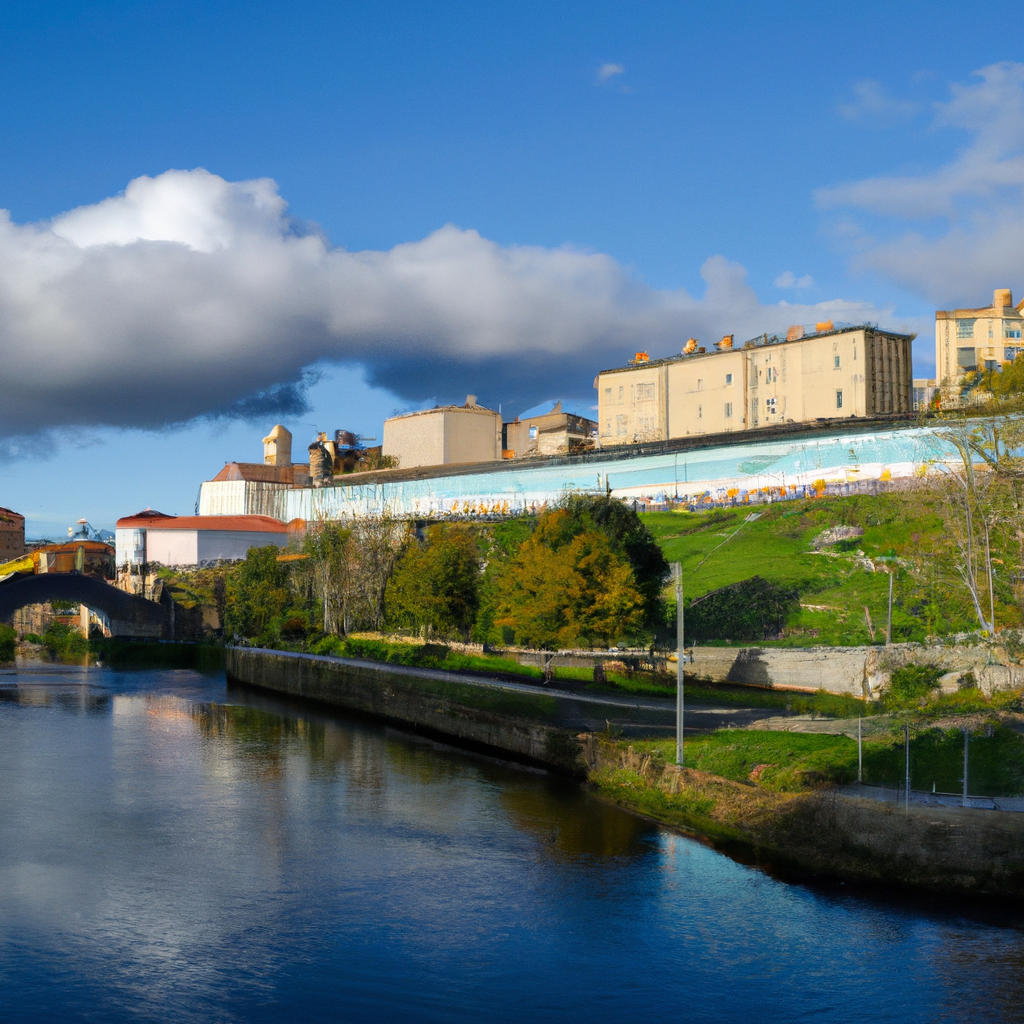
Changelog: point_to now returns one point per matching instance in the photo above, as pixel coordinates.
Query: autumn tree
(436, 583)
(629, 539)
(566, 586)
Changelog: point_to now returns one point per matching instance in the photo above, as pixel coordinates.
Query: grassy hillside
(901, 531)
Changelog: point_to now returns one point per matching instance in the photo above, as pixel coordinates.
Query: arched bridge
(128, 615)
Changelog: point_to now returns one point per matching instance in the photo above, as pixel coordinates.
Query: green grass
(831, 705)
(800, 761)
(778, 547)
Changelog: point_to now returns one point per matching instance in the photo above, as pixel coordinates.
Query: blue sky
(612, 175)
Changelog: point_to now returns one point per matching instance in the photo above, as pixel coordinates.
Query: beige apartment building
(977, 339)
(813, 373)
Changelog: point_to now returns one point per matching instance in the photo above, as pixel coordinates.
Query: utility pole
(888, 627)
(966, 738)
(677, 571)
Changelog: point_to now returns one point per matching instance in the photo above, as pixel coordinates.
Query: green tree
(436, 583)
(628, 538)
(258, 593)
(567, 587)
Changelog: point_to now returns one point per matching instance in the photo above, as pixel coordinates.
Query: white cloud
(789, 280)
(872, 103)
(606, 71)
(189, 295)
(970, 211)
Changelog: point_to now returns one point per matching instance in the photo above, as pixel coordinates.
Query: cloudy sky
(218, 216)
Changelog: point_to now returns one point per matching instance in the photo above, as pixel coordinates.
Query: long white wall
(794, 461)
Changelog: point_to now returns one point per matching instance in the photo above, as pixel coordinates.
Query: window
(728, 376)
(620, 424)
(700, 412)
(700, 383)
(1011, 331)
(836, 360)
(622, 391)
(770, 374)
(965, 328)
(728, 410)
(607, 394)
(645, 392)
(607, 428)
(839, 399)
(769, 407)
(533, 433)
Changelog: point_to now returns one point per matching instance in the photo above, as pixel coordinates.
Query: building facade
(812, 374)
(12, 535)
(969, 340)
(553, 433)
(155, 538)
(444, 435)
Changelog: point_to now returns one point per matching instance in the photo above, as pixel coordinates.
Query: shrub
(752, 609)
(908, 685)
(7, 641)
(63, 641)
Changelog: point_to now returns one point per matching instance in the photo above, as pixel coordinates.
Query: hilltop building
(969, 340)
(444, 435)
(813, 373)
(153, 537)
(552, 433)
(12, 534)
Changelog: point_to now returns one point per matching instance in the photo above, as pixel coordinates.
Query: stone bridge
(128, 615)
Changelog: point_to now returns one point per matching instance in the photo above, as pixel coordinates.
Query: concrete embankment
(820, 832)
(530, 723)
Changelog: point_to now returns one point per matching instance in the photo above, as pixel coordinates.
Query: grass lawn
(718, 548)
(790, 762)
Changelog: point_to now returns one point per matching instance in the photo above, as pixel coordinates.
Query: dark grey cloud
(190, 296)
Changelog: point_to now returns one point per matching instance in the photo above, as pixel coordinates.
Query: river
(172, 850)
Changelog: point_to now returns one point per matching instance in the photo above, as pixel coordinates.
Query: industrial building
(968, 340)
(445, 435)
(813, 373)
(552, 433)
(12, 534)
(152, 537)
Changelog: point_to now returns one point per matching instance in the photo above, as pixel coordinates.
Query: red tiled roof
(244, 524)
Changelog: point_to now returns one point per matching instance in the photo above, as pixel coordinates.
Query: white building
(153, 537)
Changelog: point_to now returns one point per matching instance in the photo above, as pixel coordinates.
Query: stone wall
(860, 671)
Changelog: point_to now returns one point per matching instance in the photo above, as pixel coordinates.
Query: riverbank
(818, 832)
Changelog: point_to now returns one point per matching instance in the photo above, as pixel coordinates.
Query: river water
(172, 850)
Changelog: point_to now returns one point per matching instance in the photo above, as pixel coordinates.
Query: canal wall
(528, 723)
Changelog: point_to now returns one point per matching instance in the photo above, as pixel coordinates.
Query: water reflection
(172, 851)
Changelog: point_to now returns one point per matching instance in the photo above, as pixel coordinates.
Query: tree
(628, 538)
(436, 583)
(326, 545)
(566, 587)
(258, 593)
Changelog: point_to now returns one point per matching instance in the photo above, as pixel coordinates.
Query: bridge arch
(128, 614)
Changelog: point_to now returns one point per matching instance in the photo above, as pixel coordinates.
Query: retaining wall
(860, 671)
(529, 723)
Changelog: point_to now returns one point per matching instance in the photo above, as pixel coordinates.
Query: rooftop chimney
(1002, 297)
(470, 401)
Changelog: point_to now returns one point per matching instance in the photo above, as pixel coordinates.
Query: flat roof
(761, 341)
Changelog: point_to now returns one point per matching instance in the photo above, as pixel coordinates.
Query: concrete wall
(858, 671)
(529, 724)
(191, 547)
